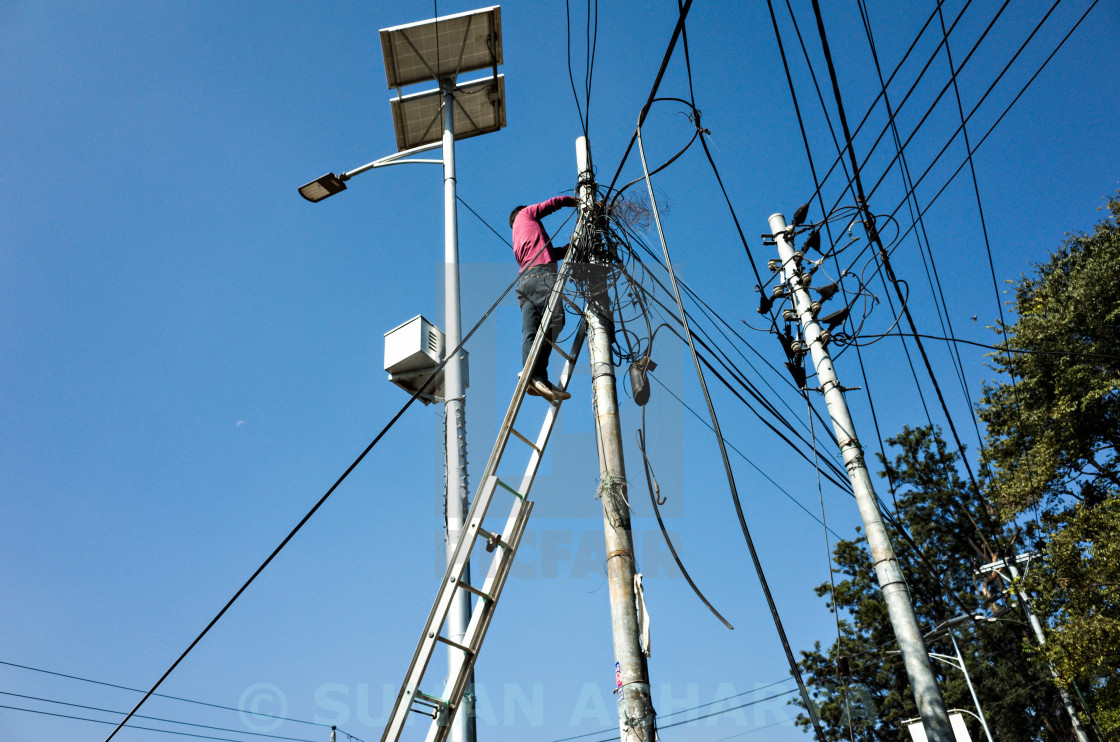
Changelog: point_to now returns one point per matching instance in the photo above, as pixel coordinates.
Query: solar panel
(444, 47)
(479, 109)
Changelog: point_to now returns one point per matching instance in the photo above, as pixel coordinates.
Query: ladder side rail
(554, 304)
(499, 567)
(424, 649)
(550, 419)
(499, 570)
(453, 575)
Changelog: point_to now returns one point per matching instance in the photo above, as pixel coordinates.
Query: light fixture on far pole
(323, 187)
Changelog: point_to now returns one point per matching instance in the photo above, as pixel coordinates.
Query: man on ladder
(537, 260)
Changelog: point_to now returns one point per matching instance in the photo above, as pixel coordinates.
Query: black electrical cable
(571, 76)
(980, 102)
(151, 718)
(743, 456)
(1007, 110)
(836, 475)
(983, 227)
(924, 244)
(795, 670)
(653, 91)
(130, 726)
(452, 353)
(871, 107)
(726, 362)
(820, 197)
(158, 695)
(665, 532)
(874, 237)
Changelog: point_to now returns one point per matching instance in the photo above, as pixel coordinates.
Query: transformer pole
(454, 406)
(927, 695)
(635, 708)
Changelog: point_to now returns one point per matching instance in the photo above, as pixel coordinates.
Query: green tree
(956, 531)
(1053, 424)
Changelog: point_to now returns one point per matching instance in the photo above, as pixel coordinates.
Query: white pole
(971, 689)
(455, 494)
(1036, 626)
(927, 695)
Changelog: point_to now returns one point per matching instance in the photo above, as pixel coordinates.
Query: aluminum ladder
(442, 707)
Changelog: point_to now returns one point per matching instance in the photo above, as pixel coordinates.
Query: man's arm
(544, 208)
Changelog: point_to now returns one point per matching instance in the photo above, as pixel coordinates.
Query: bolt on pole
(635, 708)
(927, 695)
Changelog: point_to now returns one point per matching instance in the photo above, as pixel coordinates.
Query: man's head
(513, 214)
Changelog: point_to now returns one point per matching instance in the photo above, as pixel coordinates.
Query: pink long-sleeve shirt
(531, 245)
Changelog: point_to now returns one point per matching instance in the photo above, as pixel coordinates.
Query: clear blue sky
(191, 353)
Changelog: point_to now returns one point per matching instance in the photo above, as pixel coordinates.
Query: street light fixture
(323, 187)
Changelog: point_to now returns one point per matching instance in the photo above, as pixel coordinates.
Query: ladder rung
(511, 490)
(493, 540)
(424, 698)
(475, 591)
(455, 644)
(560, 350)
(527, 442)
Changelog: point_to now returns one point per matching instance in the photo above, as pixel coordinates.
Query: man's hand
(571, 201)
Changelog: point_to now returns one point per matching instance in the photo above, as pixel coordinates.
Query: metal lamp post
(439, 50)
(946, 628)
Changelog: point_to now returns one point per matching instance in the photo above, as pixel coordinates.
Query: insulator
(796, 346)
(779, 291)
(798, 256)
(774, 265)
(789, 315)
(824, 337)
(815, 308)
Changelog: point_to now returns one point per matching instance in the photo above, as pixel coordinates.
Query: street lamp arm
(396, 159)
(970, 713)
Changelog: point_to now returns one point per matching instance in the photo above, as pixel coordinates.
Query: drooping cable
(653, 498)
(794, 668)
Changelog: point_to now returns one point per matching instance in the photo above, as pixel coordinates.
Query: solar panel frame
(479, 109)
(443, 47)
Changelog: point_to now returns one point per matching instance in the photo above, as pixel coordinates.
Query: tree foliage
(956, 530)
(1053, 424)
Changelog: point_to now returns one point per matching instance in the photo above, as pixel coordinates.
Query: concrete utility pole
(927, 695)
(635, 708)
(454, 421)
(1036, 627)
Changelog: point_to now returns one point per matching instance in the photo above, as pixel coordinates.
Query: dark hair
(513, 214)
